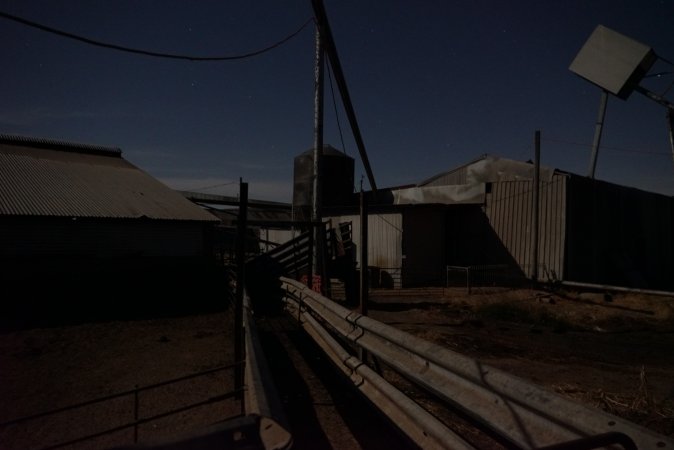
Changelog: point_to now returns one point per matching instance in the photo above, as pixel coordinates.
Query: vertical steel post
(316, 201)
(310, 278)
(364, 279)
(135, 414)
(363, 253)
(240, 280)
(597, 133)
(536, 205)
(670, 123)
(331, 49)
(468, 280)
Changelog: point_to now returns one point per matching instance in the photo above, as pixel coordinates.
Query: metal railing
(520, 413)
(482, 276)
(137, 420)
(260, 425)
(261, 397)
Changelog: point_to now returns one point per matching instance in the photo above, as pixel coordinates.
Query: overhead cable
(137, 51)
(604, 147)
(212, 186)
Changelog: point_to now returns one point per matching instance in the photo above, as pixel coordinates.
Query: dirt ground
(611, 352)
(42, 369)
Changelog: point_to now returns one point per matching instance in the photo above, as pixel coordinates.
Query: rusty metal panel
(509, 207)
(37, 179)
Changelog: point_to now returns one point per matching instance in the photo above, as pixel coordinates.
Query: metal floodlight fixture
(617, 64)
(614, 62)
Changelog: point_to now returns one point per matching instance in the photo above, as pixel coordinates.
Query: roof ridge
(65, 146)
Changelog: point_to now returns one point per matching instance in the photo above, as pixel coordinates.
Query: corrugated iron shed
(488, 169)
(59, 179)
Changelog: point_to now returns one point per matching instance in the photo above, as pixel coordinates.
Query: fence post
(468, 279)
(239, 345)
(135, 414)
(299, 308)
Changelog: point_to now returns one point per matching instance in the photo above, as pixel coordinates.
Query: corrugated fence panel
(510, 210)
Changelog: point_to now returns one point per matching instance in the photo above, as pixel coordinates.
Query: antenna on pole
(617, 64)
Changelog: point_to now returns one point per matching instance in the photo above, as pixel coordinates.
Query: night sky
(435, 84)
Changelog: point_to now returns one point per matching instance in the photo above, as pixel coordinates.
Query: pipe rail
(523, 414)
(261, 398)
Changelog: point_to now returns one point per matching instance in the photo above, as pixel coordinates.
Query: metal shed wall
(509, 207)
(424, 246)
(66, 237)
(619, 235)
(384, 241)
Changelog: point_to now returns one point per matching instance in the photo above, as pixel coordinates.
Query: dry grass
(638, 405)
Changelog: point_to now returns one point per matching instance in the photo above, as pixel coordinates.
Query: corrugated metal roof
(488, 169)
(52, 178)
(447, 195)
(229, 216)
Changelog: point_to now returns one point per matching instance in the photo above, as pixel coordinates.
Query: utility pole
(363, 252)
(331, 50)
(239, 353)
(316, 201)
(364, 278)
(599, 127)
(536, 206)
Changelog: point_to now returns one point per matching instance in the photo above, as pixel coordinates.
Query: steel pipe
(420, 426)
(521, 412)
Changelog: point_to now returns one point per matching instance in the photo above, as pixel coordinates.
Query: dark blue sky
(435, 84)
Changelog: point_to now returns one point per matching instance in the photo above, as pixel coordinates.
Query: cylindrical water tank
(336, 179)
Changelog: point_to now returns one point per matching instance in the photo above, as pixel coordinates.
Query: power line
(203, 188)
(604, 147)
(89, 41)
